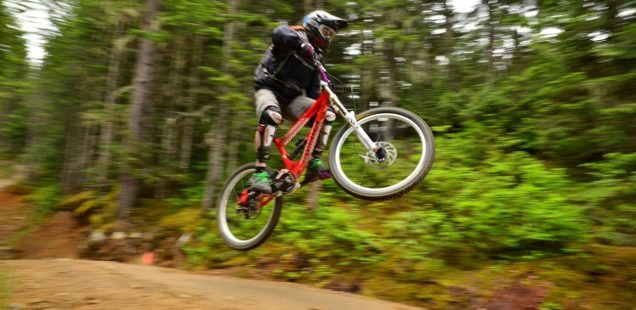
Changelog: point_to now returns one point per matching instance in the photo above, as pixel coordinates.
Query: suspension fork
(350, 118)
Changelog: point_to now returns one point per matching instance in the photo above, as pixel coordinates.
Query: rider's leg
(295, 109)
(317, 170)
(265, 133)
(270, 116)
(323, 137)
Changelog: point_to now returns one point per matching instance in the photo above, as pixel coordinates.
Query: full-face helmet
(321, 28)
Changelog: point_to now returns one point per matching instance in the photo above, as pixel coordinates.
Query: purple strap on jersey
(323, 74)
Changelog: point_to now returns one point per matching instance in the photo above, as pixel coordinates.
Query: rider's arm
(286, 40)
(313, 91)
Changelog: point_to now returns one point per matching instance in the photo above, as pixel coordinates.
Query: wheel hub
(383, 155)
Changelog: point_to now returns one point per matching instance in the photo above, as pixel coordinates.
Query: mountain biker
(287, 82)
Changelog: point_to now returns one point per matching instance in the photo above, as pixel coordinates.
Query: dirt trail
(19, 238)
(14, 216)
(39, 244)
(14, 211)
(10, 173)
(77, 284)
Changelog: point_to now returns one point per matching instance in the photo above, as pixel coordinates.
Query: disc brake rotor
(371, 158)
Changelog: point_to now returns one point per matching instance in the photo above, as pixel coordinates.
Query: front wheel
(244, 226)
(403, 154)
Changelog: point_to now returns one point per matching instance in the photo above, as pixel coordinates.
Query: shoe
(316, 171)
(261, 182)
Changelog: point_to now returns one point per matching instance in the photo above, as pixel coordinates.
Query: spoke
(364, 172)
(355, 149)
(403, 141)
(358, 154)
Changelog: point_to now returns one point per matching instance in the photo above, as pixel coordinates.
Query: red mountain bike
(379, 154)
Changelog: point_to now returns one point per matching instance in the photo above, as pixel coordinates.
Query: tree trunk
(312, 5)
(490, 49)
(33, 158)
(216, 136)
(69, 175)
(142, 84)
(367, 74)
(87, 151)
(516, 63)
(236, 131)
(106, 137)
(168, 138)
(186, 140)
(449, 41)
(174, 87)
(169, 130)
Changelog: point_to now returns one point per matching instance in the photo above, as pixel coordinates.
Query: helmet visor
(327, 32)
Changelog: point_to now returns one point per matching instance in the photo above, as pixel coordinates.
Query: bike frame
(317, 111)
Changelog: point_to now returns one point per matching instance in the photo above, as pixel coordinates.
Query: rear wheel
(403, 155)
(245, 226)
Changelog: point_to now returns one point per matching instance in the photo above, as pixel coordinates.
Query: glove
(308, 52)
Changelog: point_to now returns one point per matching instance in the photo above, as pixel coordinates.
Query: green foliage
(611, 196)
(188, 197)
(328, 236)
(501, 204)
(329, 241)
(5, 289)
(13, 85)
(72, 202)
(96, 207)
(44, 200)
(550, 306)
(209, 248)
(185, 220)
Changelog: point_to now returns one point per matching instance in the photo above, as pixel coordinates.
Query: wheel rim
(240, 225)
(389, 121)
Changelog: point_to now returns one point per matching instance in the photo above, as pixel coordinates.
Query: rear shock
(300, 146)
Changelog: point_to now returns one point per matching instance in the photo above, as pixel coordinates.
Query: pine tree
(130, 184)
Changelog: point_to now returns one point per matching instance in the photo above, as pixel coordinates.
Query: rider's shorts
(291, 111)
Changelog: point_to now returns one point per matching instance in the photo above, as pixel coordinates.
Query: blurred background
(131, 114)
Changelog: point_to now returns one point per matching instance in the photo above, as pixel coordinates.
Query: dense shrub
(611, 197)
(479, 199)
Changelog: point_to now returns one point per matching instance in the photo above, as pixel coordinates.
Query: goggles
(327, 32)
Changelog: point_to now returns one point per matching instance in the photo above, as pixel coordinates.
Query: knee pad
(330, 116)
(323, 137)
(271, 116)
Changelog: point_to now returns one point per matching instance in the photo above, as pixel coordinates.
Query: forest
(140, 110)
